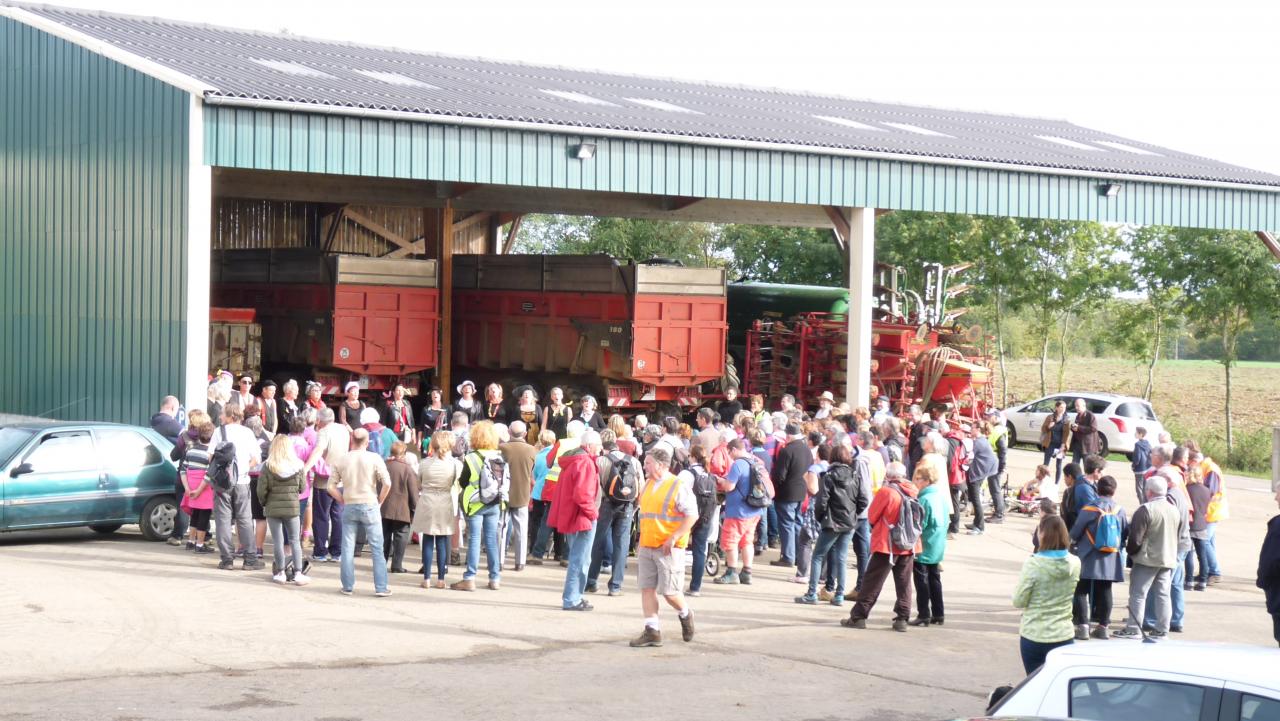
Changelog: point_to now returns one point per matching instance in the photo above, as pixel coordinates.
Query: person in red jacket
(883, 514)
(574, 510)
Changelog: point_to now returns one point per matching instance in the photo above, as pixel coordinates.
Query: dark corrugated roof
(266, 66)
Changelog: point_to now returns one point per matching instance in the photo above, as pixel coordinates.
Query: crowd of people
(524, 483)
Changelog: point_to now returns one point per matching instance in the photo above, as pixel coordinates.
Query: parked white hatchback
(1118, 418)
(1167, 681)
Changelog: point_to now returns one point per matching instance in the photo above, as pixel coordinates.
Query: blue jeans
(1211, 550)
(788, 529)
(366, 517)
(861, 549)
(484, 522)
(579, 555)
(1176, 595)
(440, 545)
(771, 523)
(837, 543)
(698, 546)
(613, 528)
(1034, 652)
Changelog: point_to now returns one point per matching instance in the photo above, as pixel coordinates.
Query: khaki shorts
(661, 572)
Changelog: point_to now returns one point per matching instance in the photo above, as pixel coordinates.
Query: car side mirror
(20, 470)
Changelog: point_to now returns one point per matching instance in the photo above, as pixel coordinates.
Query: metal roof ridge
(524, 64)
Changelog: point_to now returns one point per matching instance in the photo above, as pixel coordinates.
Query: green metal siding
(325, 143)
(93, 217)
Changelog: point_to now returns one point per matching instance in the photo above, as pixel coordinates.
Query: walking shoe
(253, 565)
(301, 579)
(1199, 586)
(440, 583)
(191, 545)
(615, 592)
(730, 577)
(969, 526)
(426, 583)
(1082, 632)
(345, 591)
(591, 588)
(851, 595)
(306, 566)
(686, 625)
(853, 622)
(973, 532)
(203, 550)
(564, 563)
(996, 519)
(837, 600)
(1100, 632)
(1215, 580)
(466, 584)
(693, 594)
(900, 625)
(918, 621)
(782, 563)
(580, 606)
(799, 579)
(807, 600)
(173, 541)
(518, 567)
(824, 594)
(1175, 628)
(399, 570)
(650, 637)
(535, 561)
(1158, 634)
(1186, 586)
(226, 565)
(332, 558)
(1128, 632)
(744, 576)
(937, 621)
(382, 594)
(494, 585)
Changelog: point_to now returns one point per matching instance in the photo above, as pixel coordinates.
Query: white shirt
(247, 448)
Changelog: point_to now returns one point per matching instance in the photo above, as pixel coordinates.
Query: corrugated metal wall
(328, 143)
(93, 182)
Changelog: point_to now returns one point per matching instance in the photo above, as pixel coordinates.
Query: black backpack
(223, 473)
(704, 492)
(623, 485)
(759, 492)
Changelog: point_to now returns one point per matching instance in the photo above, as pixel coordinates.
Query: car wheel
(105, 528)
(1103, 447)
(158, 517)
(1013, 435)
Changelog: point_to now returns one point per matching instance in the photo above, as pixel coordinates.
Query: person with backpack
(281, 481)
(1044, 593)
(621, 480)
(574, 510)
(485, 483)
(836, 508)
(926, 569)
(1098, 536)
(235, 453)
(896, 519)
(380, 437)
(745, 499)
(706, 490)
(360, 482)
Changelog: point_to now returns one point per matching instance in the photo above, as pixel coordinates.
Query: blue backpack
(1105, 535)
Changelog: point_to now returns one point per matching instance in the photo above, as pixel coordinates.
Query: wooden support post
(444, 233)
(511, 235)
(1269, 239)
(861, 241)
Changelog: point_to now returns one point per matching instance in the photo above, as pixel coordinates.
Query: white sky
(1197, 76)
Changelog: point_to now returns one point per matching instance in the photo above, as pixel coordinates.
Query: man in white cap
(826, 402)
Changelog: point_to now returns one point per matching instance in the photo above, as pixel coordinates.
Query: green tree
(1231, 282)
(807, 256)
(694, 244)
(1140, 328)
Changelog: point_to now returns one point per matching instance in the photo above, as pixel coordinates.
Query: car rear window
(1123, 699)
(11, 439)
(1134, 409)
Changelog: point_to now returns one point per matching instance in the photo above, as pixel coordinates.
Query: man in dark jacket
(789, 492)
(1269, 570)
(165, 420)
(983, 464)
(1084, 432)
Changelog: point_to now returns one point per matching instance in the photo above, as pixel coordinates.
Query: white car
(1118, 418)
(1167, 681)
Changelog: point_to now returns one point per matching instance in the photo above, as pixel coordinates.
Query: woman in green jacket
(927, 569)
(281, 481)
(1044, 594)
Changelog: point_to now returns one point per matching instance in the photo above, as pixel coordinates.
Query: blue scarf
(1053, 554)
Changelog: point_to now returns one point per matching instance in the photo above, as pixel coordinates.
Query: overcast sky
(1201, 77)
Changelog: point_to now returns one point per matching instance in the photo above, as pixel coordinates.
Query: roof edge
(293, 106)
(107, 50)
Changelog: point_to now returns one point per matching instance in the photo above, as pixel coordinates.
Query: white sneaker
(383, 594)
(279, 577)
(301, 579)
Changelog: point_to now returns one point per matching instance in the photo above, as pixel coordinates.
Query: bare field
(1187, 394)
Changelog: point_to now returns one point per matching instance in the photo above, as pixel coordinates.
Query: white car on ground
(1167, 681)
(1118, 418)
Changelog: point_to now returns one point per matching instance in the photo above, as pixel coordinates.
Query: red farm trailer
(638, 335)
(336, 318)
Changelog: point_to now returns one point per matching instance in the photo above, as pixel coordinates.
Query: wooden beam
(1269, 239)
(317, 188)
(675, 203)
(839, 224)
(511, 235)
(444, 232)
(332, 235)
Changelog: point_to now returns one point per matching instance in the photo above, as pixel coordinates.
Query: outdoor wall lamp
(583, 151)
(1109, 190)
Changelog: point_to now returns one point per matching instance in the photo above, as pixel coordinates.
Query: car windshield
(11, 439)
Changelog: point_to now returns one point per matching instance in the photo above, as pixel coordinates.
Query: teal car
(100, 475)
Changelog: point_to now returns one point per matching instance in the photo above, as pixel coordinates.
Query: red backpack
(957, 460)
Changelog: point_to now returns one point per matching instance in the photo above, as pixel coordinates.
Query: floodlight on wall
(1109, 190)
(583, 151)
